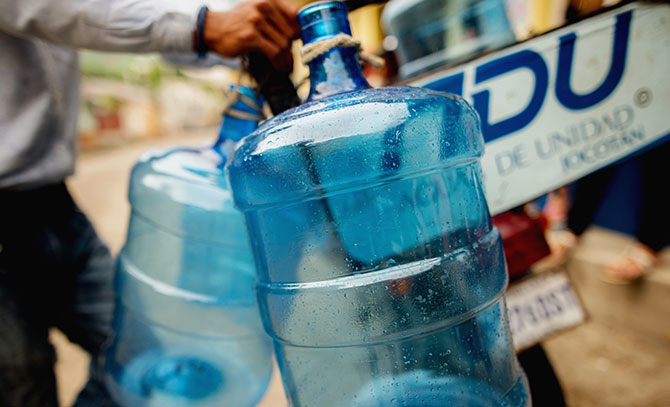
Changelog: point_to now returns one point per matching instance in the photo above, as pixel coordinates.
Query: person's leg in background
(586, 199)
(26, 356)
(86, 314)
(545, 389)
(29, 255)
(583, 203)
(654, 225)
(54, 271)
(653, 228)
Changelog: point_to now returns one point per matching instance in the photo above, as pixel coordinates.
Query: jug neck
(337, 70)
(240, 119)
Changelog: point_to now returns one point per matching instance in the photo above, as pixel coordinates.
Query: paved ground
(598, 365)
(605, 367)
(622, 356)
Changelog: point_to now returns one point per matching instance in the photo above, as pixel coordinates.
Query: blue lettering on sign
(522, 59)
(536, 64)
(542, 309)
(564, 92)
(450, 84)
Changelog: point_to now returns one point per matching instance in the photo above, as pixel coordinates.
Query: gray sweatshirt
(39, 72)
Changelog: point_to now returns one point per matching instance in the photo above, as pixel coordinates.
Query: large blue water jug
(380, 277)
(188, 332)
(434, 33)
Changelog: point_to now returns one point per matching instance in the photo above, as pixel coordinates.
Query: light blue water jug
(187, 327)
(380, 275)
(434, 33)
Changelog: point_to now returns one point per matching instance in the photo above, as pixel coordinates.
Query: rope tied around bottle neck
(313, 50)
(233, 98)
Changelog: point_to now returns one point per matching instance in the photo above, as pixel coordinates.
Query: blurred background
(126, 98)
(129, 104)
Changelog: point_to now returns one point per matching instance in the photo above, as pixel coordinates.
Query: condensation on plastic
(380, 277)
(188, 332)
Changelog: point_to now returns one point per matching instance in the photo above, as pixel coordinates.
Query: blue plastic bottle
(434, 33)
(187, 327)
(380, 275)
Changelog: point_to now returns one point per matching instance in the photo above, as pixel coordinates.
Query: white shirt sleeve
(105, 25)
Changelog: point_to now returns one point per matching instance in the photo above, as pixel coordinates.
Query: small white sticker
(542, 306)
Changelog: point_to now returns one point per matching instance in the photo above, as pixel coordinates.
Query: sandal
(631, 265)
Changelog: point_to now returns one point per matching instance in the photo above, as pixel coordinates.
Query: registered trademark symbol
(643, 97)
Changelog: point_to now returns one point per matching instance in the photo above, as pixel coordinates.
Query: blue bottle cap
(322, 20)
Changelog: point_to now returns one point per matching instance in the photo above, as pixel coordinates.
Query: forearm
(107, 25)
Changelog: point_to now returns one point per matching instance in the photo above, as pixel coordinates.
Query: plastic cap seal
(322, 20)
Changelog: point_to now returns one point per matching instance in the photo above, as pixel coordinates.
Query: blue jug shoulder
(178, 187)
(370, 105)
(198, 165)
(349, 139)
(174, 171)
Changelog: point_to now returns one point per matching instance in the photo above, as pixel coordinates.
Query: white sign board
(540, 307)
(560, 106)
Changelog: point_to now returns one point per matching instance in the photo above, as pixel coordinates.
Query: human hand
(267, 26)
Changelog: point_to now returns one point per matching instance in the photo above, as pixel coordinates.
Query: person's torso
(38, 112)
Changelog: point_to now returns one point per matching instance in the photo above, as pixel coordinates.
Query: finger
(283, 61)
(277, 19)
(270, 33)
(268, 48)
(290, 13)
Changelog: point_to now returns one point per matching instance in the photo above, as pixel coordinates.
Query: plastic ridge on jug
(380, 276)
(188, 332)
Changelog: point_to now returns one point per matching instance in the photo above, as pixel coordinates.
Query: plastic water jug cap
(323, 19)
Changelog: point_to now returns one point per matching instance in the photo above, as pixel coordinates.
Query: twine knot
(312, 50)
